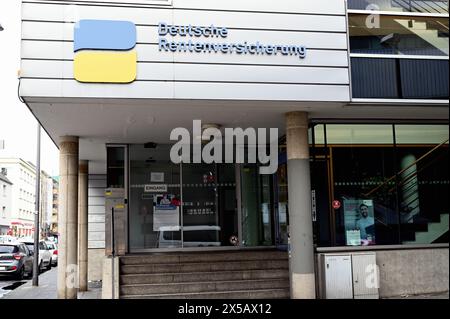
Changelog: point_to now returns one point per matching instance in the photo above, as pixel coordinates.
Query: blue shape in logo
(104, 35)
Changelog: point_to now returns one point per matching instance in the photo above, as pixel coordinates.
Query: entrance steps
(261, 274)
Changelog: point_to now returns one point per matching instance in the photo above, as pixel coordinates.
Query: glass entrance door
(155, 199)
(179, 206)
(209, 205)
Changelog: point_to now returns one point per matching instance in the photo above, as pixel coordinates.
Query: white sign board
(153, 188)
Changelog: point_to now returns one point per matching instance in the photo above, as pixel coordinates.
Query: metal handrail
(406, 168)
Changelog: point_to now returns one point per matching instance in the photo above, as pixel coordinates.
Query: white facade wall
(96, 211)
(22, 175)
(47, 50)
(5, 206)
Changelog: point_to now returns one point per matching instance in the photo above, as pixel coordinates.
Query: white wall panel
(307, 6)
(289, 6)
(285, 92)
(246, 20)
(186, 90)
(96, 211)
(146, 34)
(205, 73)
(47, 50)
(150, 53)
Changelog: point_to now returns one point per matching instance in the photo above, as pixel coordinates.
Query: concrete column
(83, 225)
(301, 259)
(68, 218)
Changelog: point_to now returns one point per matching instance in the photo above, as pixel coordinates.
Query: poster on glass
(166, 212)
(359, 222)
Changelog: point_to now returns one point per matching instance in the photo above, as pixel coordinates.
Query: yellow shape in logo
(105, 67)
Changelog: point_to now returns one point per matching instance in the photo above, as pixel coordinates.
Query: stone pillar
(67, 218)
(83, 225)
(301, 259)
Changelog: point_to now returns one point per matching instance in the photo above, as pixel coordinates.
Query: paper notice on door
(156, 177)
(166, 213)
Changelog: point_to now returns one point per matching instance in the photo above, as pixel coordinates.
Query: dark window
(400, 78)
(115, 167)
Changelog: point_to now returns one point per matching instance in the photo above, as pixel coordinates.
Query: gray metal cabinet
(338, 277)
(348, 276)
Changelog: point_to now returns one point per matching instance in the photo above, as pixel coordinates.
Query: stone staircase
(261, 274)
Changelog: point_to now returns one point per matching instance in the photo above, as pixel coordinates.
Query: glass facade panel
(359, 134)
(399, 78)
(399, 35)
(115, 167)
(391, 191)
(421, 134)
(424, 6)
(357, 170)
(180, 206)
(423, 188)
(256, 207)
(154, 200)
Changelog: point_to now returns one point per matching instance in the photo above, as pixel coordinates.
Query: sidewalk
(47, 289)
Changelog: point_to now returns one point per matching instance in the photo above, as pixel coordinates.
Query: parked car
(54, 251)
(45, 256)
(15, 260)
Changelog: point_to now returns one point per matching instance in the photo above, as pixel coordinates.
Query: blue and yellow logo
(104, 51)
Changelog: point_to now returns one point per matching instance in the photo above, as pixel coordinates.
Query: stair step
(238, 294)
(202, 257)
(207, 286)
(203, 276)
(200, 267)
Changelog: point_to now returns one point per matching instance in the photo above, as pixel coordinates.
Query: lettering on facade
(213, 32)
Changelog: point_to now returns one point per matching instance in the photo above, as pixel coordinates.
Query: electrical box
(338, 277)
(348, 276)
(365, 276)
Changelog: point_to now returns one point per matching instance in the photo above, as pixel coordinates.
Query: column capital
(68, 144)
(83, 167)
(297, 135)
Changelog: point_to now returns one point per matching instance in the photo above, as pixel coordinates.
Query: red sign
(336, 204)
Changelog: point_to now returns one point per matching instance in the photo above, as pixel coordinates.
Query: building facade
(22, 175)
(357, 90)
(54, 214)
(5, 202)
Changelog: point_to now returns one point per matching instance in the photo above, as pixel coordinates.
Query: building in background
(22, 175)
(54, 215)
(46, 204)
(5, 202)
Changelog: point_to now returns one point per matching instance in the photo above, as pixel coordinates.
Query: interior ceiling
(98, 122)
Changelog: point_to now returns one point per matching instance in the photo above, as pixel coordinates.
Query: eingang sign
(212, 31)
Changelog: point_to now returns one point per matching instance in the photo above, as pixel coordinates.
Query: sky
(18, 127)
